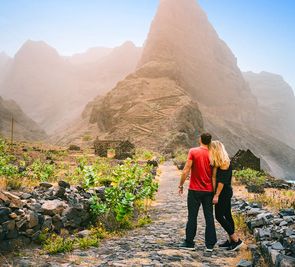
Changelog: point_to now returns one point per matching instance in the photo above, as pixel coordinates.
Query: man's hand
(215, 199)
(185, 173)
(180, 190)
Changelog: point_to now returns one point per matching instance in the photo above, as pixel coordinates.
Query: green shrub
(250, 177)
(98, 174)
(42, 171)
(90, 177)
(144, 154)
(131, 183)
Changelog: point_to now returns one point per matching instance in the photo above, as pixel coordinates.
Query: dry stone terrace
(153, 245)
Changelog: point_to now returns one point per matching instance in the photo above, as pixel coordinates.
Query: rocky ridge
(24, 127)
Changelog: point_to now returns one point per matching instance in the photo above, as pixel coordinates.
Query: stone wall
(274, 233)
(123, 149)
(23, 216)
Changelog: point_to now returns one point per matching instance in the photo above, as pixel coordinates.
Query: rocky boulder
(52, 207)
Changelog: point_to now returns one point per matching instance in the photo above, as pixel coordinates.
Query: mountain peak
(175, 26)
(3, 55)
(181, 35)
(36, 49)
(128, 44)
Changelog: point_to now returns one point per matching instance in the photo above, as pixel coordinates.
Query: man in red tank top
(200, 192)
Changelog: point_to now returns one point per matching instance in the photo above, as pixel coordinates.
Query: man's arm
(185, 173)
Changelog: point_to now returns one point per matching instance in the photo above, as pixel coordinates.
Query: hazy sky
(261, 33)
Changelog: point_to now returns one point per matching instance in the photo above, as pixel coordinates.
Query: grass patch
(88, 241)
(87, 138)
(58, 244)
(276, 199)
(144, 221)
(53, 243)
(240, 223)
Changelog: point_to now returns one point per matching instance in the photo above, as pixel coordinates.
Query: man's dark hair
(206, 138)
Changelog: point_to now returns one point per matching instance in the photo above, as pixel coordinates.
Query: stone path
(153, 245)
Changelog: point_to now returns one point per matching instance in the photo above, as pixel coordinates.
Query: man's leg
(210, 233)
(193, 205)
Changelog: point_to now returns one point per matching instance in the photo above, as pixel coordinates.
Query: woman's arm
(218, 191)
(214, 178)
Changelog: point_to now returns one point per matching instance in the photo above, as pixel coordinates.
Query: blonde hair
(218, 155)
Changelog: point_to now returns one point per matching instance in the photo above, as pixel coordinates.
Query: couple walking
(210, 183)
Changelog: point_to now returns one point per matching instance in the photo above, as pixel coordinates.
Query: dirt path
(153, 245)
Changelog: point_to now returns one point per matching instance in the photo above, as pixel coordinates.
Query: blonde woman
(222, 176)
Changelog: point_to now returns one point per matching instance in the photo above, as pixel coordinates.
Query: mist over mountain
(5, 63)
(91, 55)
(276, 102)
(24, 127)
(53, 90)
(103, 73)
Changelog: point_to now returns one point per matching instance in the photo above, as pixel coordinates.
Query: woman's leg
(222, 210)
(228, 217)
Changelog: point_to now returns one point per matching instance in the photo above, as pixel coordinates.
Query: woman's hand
(215, 199)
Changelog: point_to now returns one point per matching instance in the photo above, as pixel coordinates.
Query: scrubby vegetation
(180, 158)
(23, 165)
(181, 155)
(258, 183)
(126, 187)
(145, 154)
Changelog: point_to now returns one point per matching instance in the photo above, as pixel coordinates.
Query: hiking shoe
(187, 246)
(209, 249)
(235, 245)
(225, 245)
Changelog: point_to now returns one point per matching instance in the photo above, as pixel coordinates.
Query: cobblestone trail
(153, 245)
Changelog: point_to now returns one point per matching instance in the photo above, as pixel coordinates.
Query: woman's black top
(224, 177)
